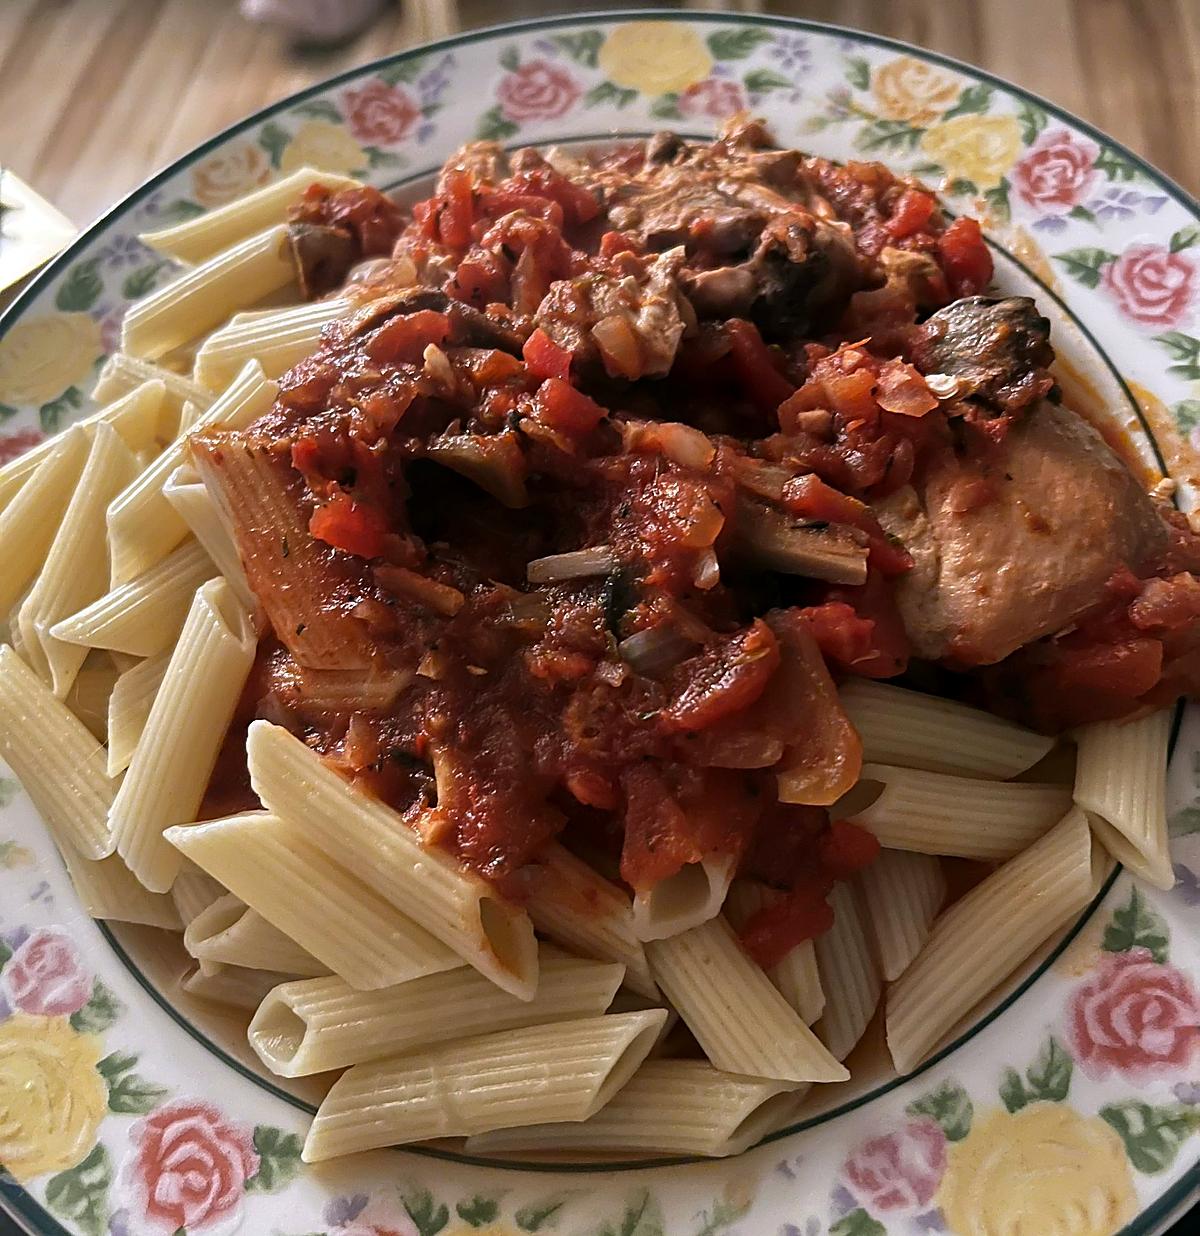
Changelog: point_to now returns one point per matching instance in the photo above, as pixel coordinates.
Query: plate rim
(18, 1202)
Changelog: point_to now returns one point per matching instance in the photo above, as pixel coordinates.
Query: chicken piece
(1015, 541)
(997, 351)
(628, 325)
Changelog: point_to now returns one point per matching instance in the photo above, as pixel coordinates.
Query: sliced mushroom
(767, 537)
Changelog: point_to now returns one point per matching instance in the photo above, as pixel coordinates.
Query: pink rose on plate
(379, 114)
(188, 1169)
(1058, 172)
(1135, 1016)
(45, 976)
(898, 1171)
(538, 90)
(1152, 285)
(714, 97)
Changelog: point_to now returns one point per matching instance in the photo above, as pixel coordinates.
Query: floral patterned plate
(1070, 1106)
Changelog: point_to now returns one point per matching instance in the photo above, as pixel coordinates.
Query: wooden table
(97, 94)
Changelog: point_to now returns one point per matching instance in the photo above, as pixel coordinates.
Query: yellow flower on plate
(325, 145)
(52, 1099)
(911, 89)
(230, 173)
(655, 57)
(41, 357)
(976, 148)
(1044, 1169)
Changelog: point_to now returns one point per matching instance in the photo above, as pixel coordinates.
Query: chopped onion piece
(598, 560)
(656, 650)
(708, 570)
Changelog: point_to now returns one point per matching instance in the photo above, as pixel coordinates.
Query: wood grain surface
(97, 94)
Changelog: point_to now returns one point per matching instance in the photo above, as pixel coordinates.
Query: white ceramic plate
(1070, 1106)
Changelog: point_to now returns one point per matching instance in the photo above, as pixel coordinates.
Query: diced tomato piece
(888, 650)
(754, 364)
(847, 848)
(482, 278)
(350, 526)
(403, 339)
(1167, 604)
(901, 389)
(612, 243)
(579, 205)
(843, 637)
(546, 359)
(729, 675)
(965, 257)
(801, 915)
(499, 202)
(658, 837)
(560, 406)
(1128, 669)
(456, 208)
(912, 212)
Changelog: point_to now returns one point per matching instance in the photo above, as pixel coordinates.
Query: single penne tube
(565, 1071)
(374, 843)
(123, 373)
(901, 895)
(196, 240)
(57, 760)
(144, 616)
(194, 505)
(985, 935)
(666, 1107)
(107, 889)
(276, 340)
(90, 692)
(193, 892)
(28, 524)
(914, 730)
(228, 932)
(129, 709)
(850, 978)
(143, 525)
(202, 298)
(231, 985)
(191, 711)
(316, 1024)
(75, 571)
(935, 813)
(273, 867)
(572, 904)
(1120, 781)
(135, 416)
(693, 895)
(796, 977)
(743, 1024)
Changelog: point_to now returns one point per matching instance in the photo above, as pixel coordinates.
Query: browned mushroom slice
(578, 564)
(496, 464)
(770, 538)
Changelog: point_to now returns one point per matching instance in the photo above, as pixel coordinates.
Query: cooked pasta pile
(542, 826)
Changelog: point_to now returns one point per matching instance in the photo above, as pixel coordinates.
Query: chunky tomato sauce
(587, 483)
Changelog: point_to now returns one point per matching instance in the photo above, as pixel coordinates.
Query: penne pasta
(795, 977)
(934, 813)
(129, 709)
(272, 866)
(1120, 781)
(666, 1107)
(985, 935)
(196, 240)
(572, 904)
(143, 525)
(135, 417)
(202, 298)
(562, 1072)
(195, 506)
(692, 896)
(276, 341)
(90, 692)
(107, 889)
(226, 932)
(743, 1024)
(383, 851)
(914, 730)
(144, 616)
(29, 523)
(58, 762)
(75, 571)
(231, 985)
(901, 895)
(317, 1024)
(193, 892)
(849, 976)
(191, 711)
(123, 373)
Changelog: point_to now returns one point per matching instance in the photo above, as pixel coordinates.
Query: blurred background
(97, 94)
